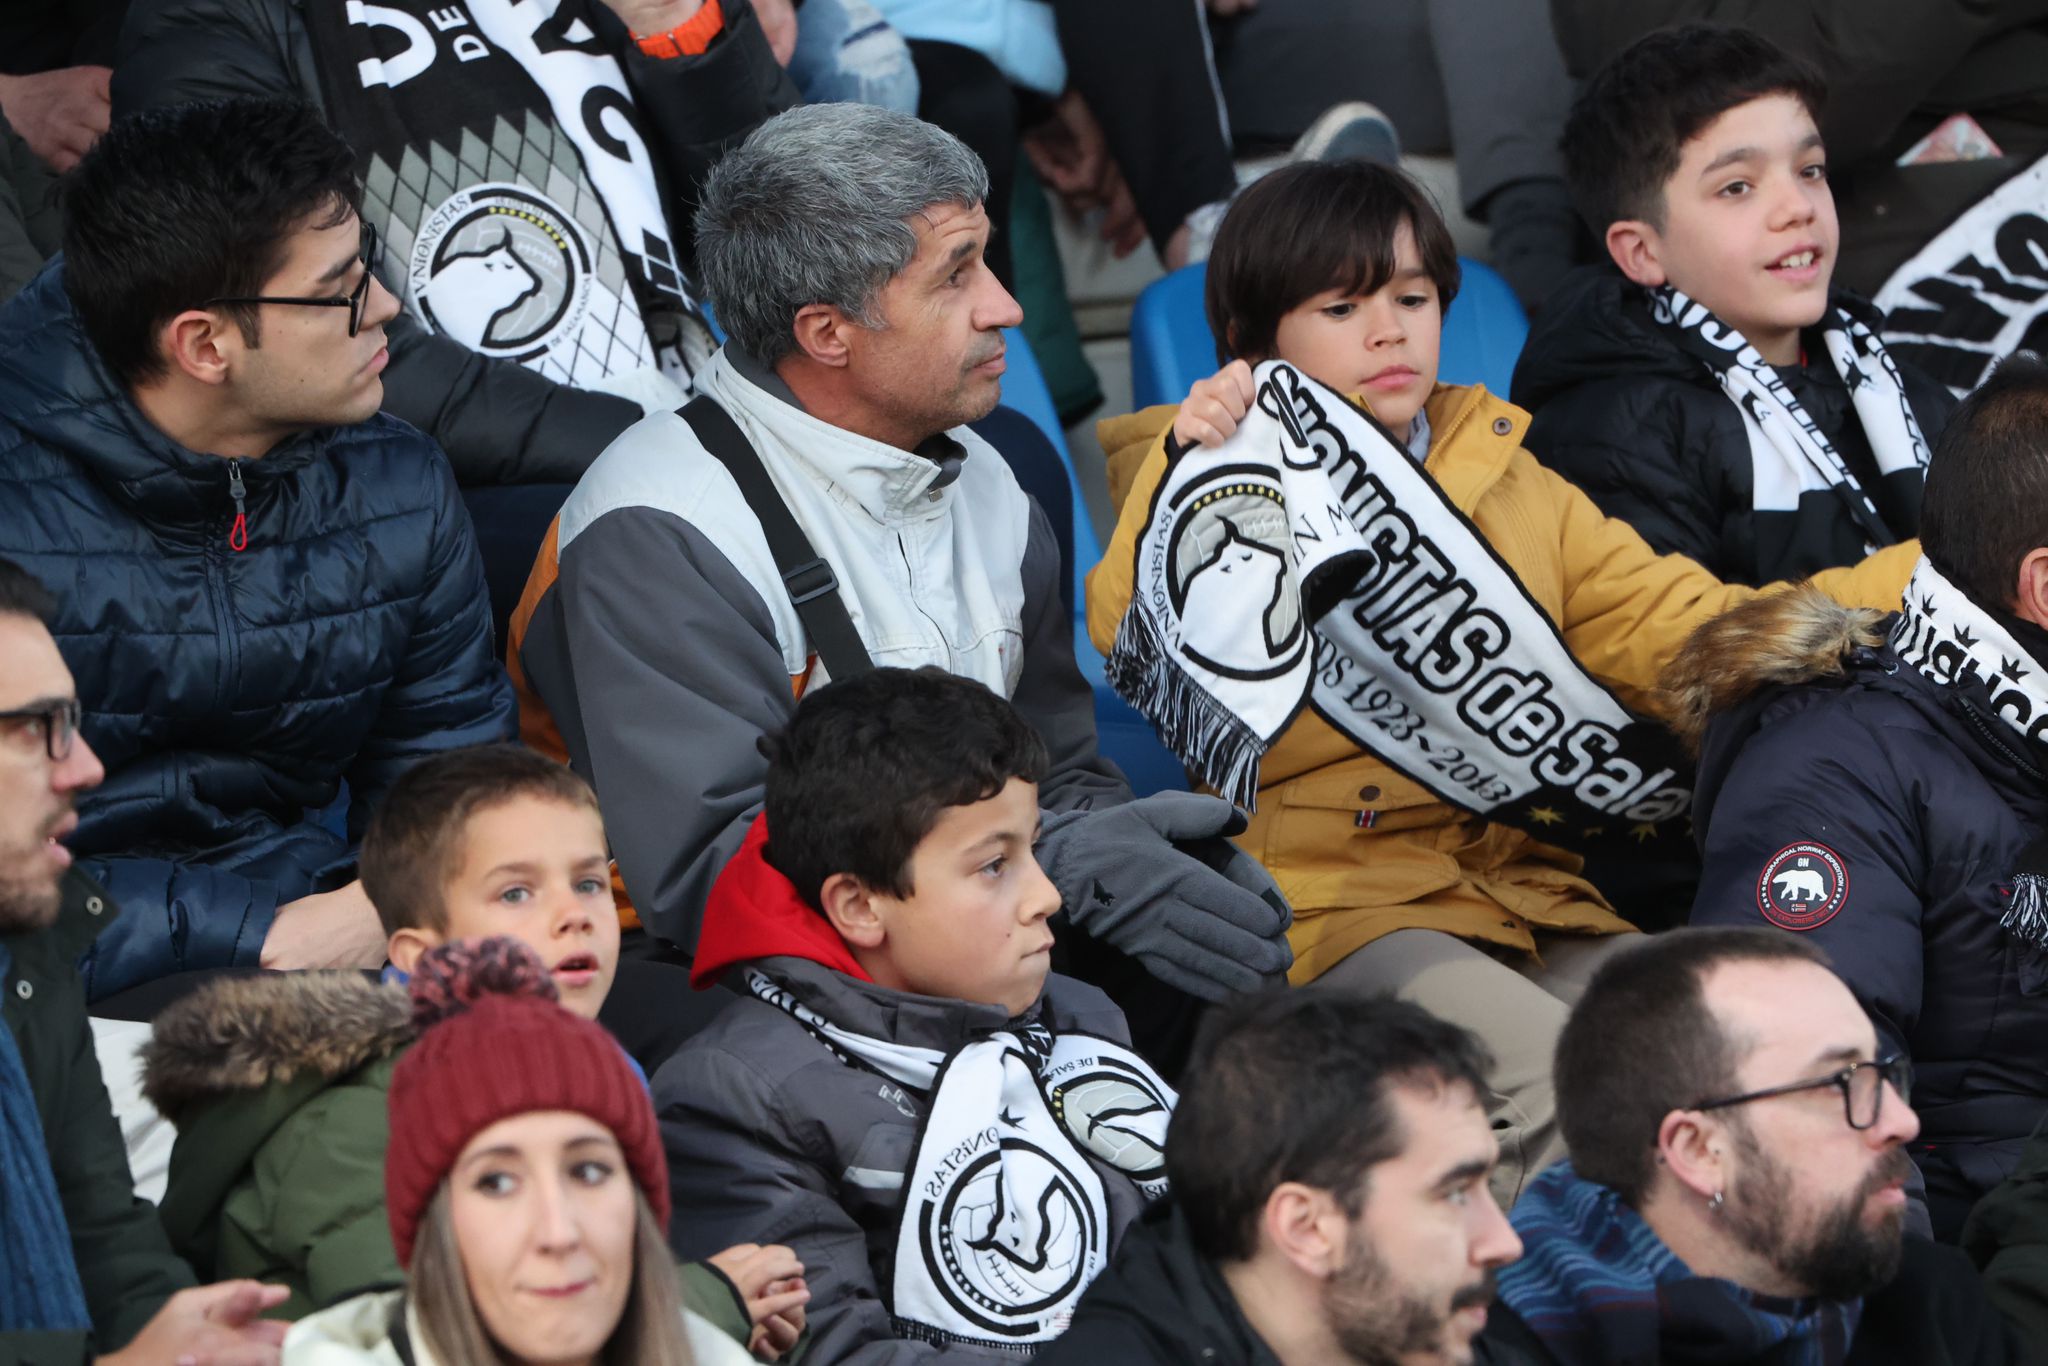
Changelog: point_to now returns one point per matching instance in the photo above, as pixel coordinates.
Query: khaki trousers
(1517, 1006)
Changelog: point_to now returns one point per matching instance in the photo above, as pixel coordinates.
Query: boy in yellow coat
(1344, 271)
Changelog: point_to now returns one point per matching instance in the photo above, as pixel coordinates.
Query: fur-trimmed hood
(1797, 636)
(248, 1033)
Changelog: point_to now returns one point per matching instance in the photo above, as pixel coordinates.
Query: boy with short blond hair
(1710, 386)
(951, 1136)
(278, 1083)
(497, 840)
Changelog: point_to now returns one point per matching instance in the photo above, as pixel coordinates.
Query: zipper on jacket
(238, 530)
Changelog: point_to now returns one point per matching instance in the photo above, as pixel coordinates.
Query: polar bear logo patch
(1803, 886)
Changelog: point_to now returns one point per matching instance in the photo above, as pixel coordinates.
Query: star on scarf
(1545, 815)
(1927, 608)
(1014, 1121)
(1964, 638)
(2011, 669)
(1643, 832)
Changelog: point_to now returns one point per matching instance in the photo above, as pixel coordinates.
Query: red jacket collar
(755, 912)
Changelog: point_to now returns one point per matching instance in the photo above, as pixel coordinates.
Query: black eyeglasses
(59, 722)
(372, 252)
(1861, 1085)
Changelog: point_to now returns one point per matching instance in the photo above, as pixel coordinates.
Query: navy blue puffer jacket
(230, 694)
(1883, 817)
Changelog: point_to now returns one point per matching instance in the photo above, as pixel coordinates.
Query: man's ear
(821, 334)
(200, 344)
(408, 945)
(1638, 249)
(1690, 1146)
(2030, 598)
(852, 909)
(1305, 1226)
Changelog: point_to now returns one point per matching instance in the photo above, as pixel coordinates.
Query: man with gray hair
(664, 631)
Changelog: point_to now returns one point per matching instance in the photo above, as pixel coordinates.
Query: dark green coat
(279, 1085)
(124, 1260)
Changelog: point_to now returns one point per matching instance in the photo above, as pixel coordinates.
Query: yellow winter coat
(1622, 608)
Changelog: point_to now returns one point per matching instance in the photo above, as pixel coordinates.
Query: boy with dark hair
(1737, 1184)
(1412, 766)
(951, 1137)
(270, 588)
(278, 1084)
(1712, 389)
(1329, 1157)
(1880, 787)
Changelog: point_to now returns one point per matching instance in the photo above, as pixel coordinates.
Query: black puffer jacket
(1917, 802)
(499, 422)
(230, 694)
(1159, 1301)
(1647, 431)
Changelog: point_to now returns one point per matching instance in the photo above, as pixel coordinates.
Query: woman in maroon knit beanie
(526, 1189)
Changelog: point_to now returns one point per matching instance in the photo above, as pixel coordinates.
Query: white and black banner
(1005, 1219)
(1309, 560)
(1978, 291)
(1953, 641)
(504, 163)
(1945, 635)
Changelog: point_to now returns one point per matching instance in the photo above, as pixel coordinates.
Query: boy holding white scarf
(1401, 879)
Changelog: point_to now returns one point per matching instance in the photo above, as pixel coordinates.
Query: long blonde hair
(650, 1328)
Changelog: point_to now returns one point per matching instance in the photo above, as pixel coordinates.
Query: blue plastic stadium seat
(1125, 737)
(1171, 347)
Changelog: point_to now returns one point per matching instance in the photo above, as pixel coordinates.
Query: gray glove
(1204, 917)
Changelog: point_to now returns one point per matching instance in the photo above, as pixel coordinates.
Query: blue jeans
(846, 53)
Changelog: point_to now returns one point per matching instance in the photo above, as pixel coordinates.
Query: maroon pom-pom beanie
(494, 1043)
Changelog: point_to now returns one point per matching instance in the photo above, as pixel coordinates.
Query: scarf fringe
(1200, 730)
(2026, 915)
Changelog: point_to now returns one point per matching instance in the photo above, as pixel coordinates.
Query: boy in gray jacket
(951, 1137)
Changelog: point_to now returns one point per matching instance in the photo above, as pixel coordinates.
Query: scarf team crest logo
(1227, 546)
(502, 270)
(1006, 1218)
(505, 163)
(1010, 1237)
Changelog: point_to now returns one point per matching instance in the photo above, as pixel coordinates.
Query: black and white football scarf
(505, 166)
(1310, 560)
(1005, 1219)
(1789, 455)
(1945, 635)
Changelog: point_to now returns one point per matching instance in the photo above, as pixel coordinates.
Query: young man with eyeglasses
(1879, 786)
(269, 590)
(1737, 1185)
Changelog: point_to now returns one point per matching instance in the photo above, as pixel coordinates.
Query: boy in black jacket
(1716, 393)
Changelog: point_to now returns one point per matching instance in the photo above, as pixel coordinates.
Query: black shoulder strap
(812, 586)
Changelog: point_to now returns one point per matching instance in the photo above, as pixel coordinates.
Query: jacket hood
(55, 388)
(754, 912)
(1798, 636)
(1597, 325)
(243, 1034)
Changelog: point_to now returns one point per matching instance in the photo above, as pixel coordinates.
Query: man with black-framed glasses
(89, 1273)
(1737, 1182)
(270, 589)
